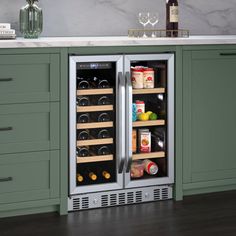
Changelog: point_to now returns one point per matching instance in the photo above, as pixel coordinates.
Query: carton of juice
(134, 141)
(144, 141)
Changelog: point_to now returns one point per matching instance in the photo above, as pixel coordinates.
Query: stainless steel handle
(6, 179)
(228, 54)
(121, 91)
(5, 79)
(128, 122)
(6, 128)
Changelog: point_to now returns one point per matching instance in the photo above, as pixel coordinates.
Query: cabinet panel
(29, 78)
(29, 176)
(209, 116)
(29, 127)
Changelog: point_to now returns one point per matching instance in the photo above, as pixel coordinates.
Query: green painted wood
(29, 211)
(209, 117)
(64, 133)
(36, 50)
(178, 125)
(34, 78)
(34, 127)
(31, 176)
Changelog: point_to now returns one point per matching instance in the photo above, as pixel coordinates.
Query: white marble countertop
(114, 41)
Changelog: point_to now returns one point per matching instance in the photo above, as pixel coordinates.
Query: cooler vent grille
(138, 196)
(156, 194)
(76, 203)
(85, 202)
(164, 193)
(130, 197)
(104, 200)
(113, 199)
(121, 198)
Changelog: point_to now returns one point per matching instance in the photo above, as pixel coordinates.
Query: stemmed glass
(143, 18)
(153, 19)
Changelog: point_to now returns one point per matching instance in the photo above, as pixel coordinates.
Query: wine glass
(143, 18)
(153, 19)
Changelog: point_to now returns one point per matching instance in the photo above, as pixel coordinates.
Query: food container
(150, 167)
(137, 78)
(140, 107)
(134, 112)
(137, 169)
(144, 141)
(148, 78)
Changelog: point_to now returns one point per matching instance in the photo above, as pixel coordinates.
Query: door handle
(128, 121)
(6, 128)
(7, 179)
(228, 54)
(121, 91)
(5, 79)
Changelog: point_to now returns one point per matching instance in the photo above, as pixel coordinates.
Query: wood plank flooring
(209, 214)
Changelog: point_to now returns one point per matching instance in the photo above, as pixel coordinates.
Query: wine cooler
(121, 129)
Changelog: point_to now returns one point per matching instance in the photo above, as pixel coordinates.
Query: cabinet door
(29, 176)
(29, 127)
(29, 78)
(209, 111)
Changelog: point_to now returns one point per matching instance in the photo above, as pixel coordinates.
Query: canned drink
(140, 107)
(137, 78)
(148, 78)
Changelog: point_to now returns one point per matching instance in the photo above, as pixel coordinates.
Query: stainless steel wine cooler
(121, 129)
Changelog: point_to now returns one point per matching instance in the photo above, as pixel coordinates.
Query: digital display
(93, 65)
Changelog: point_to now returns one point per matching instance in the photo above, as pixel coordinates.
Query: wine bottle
(106, 174)
(92, 176)
(82, 152)
(172, 17)
(80, 178)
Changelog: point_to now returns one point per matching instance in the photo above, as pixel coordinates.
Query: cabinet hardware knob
(6, 128)
(228, 54)
(6, 179)
(5, 79)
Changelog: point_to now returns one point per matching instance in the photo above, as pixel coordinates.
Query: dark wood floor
(211, 214)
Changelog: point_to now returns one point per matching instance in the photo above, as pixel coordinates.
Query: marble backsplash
(115, 17)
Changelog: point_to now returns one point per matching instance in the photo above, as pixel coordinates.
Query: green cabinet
(209, 120)
(30, 142)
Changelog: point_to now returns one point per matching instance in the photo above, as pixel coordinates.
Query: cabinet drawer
(29, 176)
(29, 78)
(29, 127)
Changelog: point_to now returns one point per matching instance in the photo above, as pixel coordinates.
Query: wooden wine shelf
(148, 123)
(148, 155)
(149, 91)
(92, 142)
(95, 125)
(94, 91)
(94, 159)
(94, 108)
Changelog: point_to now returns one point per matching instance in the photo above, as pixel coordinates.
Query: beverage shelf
(92, 142)
(148, 155)
(81, 92)
(149, 91)
(94, 108)
(148, 123)
(94, 125)
(94, 159)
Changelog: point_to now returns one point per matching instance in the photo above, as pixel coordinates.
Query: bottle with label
(150, 167)
(172, 17)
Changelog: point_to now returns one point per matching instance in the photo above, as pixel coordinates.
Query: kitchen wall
(115, 17)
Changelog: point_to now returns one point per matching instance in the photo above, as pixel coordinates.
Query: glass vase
(31, 20)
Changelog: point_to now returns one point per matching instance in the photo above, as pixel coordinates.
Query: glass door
(95, 114)
(149, 120)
